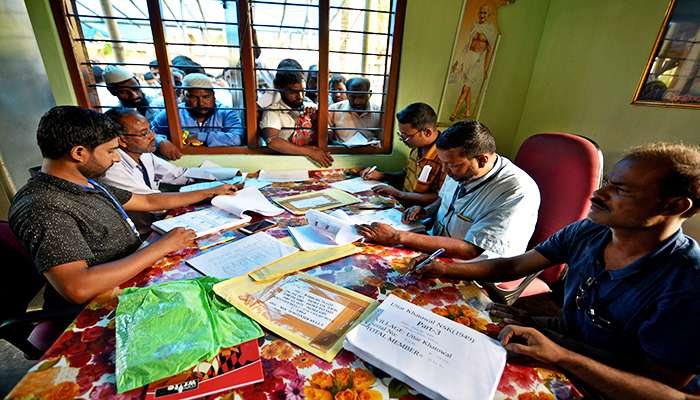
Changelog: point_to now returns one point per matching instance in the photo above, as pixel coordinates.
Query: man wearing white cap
(202, 119)
(123, 84)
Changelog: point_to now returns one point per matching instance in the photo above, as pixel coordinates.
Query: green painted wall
(591, 56)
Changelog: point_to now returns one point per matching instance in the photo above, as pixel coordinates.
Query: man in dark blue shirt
(633, 287)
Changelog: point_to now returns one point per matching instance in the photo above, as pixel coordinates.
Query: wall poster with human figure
(472, 55)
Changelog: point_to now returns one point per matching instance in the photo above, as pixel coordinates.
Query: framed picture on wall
(472, 56)
(672, 74)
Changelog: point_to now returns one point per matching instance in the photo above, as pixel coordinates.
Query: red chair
(567, 169)
(32, 332)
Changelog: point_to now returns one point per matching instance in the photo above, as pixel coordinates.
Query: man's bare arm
(493, 270)
(78, 283)
(167, 201)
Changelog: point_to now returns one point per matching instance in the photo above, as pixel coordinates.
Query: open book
(438, 357)
(338, 228)
(227, 212)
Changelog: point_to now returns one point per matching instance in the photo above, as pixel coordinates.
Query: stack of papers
(211, 171)
(436, 356)
(283, 176)
(208, 185)
(391, 217)
(227, 212)
(355, 185)
(323, 231)
(241, 256)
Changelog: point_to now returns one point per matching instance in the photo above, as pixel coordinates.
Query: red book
(233, 367)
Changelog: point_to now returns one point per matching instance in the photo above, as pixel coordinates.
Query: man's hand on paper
(224, 189)
(169, 150)
(319, 156)
(386, 190)
(380, 233)
(371, 174)
(412, 214)
(433, 269)
(532, 343)
(176, 239)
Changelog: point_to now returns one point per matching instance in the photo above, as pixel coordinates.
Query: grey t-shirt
(60, 222)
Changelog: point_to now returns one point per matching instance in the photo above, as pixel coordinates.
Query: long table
(80, 364)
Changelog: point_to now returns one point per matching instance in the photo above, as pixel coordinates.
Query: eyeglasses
(584, 304)
(406, 137)
(141, 135)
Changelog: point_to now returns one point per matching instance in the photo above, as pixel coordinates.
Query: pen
(372, 169)
(430, 258)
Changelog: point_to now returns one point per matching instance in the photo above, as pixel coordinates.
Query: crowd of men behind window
(212, 113)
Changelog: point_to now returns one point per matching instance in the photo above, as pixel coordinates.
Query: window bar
(306, 28)
(322, 84)
(250, 82)
(105, 17)
(70, 51)
(362, 9)
(253, 2)
(390, 100)
(82, 39)
(166, 76)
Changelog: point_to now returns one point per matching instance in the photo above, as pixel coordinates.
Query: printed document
(241, 256)
(203, 222)
(358, 139)
(247, 199)
(323, 230)
(211, 171)
(438, 357)
(355, 185)
(283, 176)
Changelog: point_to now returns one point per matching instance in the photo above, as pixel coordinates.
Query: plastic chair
(567, 169)
(32, 332)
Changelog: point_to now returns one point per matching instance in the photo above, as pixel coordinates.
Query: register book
(436, 356)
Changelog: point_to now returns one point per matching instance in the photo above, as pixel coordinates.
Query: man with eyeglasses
(487, 206)
(423, 176)
(632, 291)
(122, 84)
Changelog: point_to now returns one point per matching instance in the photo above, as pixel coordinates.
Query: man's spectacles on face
(404, 136)
(144, 133)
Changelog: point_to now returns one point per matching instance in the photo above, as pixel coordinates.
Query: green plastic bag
(167, 328)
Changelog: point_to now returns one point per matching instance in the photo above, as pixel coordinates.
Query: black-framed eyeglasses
(583, 303)
(406, 137)
(142, 134)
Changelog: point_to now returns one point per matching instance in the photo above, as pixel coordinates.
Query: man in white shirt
(487, 207)
(288, 125)
(356, 114)
(140, 171)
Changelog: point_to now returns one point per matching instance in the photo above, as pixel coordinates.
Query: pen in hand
(428, 260)
(369, 172)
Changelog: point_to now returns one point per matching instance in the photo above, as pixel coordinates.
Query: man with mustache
(487, 207)
(76, 229)
(122, 84)
(139, 171)
(356, 114)
(288, 125)
(632, 291)
(203, 118)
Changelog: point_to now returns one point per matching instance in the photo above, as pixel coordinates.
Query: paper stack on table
(355, 185)
(438, 357)
(227, 212)
(283, 176)
(323, 230)
(207, 185)
(241, 256)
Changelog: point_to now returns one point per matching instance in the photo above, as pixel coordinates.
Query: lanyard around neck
(116, 203)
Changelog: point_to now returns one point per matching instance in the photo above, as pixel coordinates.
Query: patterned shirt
(61, 222)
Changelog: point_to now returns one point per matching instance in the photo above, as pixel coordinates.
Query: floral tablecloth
(80, 364)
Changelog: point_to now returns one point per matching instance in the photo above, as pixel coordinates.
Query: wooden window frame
(76, 57)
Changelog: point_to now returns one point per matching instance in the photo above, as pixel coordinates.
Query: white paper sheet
(241, 256)
(208, 185)
(256, 183)
(438, 357)
(358, 139)
(298, 300)
(391, 217)
(323, 230)
(247, 199)
(283, 176)
(211, 171)
(355, 185)
(204, 222)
